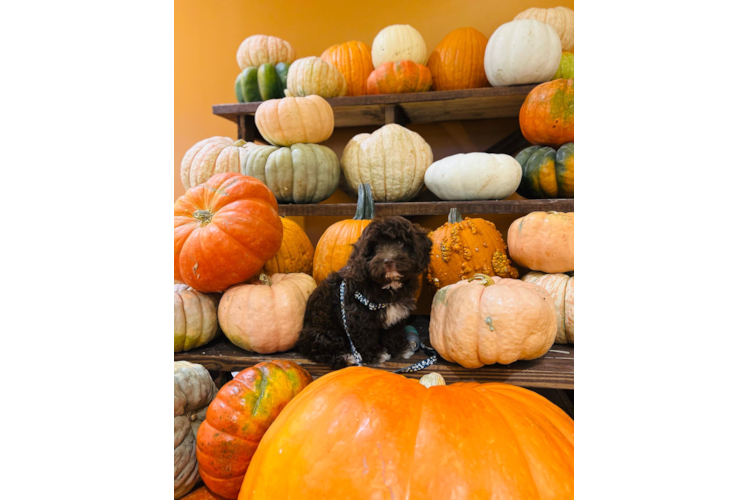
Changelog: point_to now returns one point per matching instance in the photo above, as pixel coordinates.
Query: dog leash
(358, 360)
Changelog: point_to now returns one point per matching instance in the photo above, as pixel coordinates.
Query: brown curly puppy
(384, 268)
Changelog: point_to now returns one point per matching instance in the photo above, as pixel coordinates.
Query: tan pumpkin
(193, 392)
(462, 248)
(543, 241)
(296, 254)
(353, 60)
(314, 76)
(560, 18)
(486, 320)
(195, 320)
(213, 156)
(260, 49)
(393, 161)
(294, 120)
(561, 289)
(399, 42)
(266, 316)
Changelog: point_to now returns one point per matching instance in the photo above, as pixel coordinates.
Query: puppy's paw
(407, 353)
(349, 359)
(384, 356)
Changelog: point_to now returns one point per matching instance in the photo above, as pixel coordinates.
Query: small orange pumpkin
(353, 60)
(547, 115)
(463, 248)
(399, 77)
(457, 62)
(543, 241)
(296, 254)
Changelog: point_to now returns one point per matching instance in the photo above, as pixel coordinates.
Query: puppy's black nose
(388, 263)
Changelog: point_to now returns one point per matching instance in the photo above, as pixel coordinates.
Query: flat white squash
(474, 176)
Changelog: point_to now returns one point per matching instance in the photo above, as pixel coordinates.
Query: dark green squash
(260, 83)
(546, 172)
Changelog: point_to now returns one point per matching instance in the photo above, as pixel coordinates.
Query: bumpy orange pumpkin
(238, 417)
(361, 433)
(296, 254)
(353, 60)
(547, 115)
(543, 241)
(399, 77)
(462, 248)
(224, 232)
(457, 62)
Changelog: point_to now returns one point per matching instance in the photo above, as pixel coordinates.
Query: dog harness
(358, 360)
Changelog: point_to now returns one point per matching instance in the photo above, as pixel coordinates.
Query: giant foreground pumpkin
(361, 433)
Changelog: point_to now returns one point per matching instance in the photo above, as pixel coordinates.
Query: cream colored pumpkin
(303, 173)
(261, 49)
(314, 76)
(294, 120)
(266, 316)
(195, 320)
(543, 241)
(561, 289)
(519, 52)
(482, 320)
(193, 392)
(212, 156)
(561, 18)
(393, 160)
(399, 42)
(474, 176)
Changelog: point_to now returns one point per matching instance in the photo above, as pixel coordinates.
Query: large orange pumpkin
(543, 241)
(361, 433)
(547, 115)
(399, 77)
(296, 254)
(457, 62)
(238, 417)
(353, 60)
(462, 248)
(224, 232)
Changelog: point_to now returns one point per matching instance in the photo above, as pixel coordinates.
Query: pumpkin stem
(239, 143)
(204, 216)
(192, 416)
(454, 216)
(265, 279)
(485, 280)
(432, 379)
(365, 203)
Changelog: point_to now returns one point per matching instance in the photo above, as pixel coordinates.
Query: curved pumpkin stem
(485, 280)
(365, 203)
(432, 379)
(265, 279)
(454, 216)
(239, 143)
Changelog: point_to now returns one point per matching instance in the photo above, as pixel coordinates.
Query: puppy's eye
(400, 244)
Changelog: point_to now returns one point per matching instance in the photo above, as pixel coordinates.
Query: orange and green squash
(547, 173)
(543, 241)
(457, 62)
(565, 67)
(547, 115)
(353, 60)
(400, 77)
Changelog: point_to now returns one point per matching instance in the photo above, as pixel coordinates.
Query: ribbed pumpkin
(361, 434)
(193, 392)
(238, 417)
(266, 316)
(399, 77)
(313, 75)
(294, 120)
(543, 241)
(260, 49)
(212, 156)
(392, 160)
(457, 62)
(547, 115)
(561, 289)
(560, 18)
(565, 67)
(195, 320)
(474, 176)
(463, 248)
(399, 42)
(353, 60)
(296, 254)
(547, 173)
(485, 320)
(335, 245)
(203, 493)
(260, 83)
(303, 173)
(224, 232)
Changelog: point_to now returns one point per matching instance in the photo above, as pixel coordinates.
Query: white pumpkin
(211, 156)
(474, 176)
(561, 289)
(519, 52)
(195, 318)
(561, 18)
(399, 42)
(193, 392)
(393, 161)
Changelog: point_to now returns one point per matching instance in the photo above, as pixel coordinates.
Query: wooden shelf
(420, 107)
(555, 370)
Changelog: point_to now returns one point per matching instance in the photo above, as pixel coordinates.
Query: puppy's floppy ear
(421, 245)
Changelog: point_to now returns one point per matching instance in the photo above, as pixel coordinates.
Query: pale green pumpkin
(302, 173)
(565, 67)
